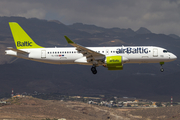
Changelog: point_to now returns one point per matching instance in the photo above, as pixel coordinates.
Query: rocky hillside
(38, 109)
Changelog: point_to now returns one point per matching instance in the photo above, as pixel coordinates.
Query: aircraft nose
(173, 57)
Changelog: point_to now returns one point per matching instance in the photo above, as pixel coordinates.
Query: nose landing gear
(161, 69)
(93, 69)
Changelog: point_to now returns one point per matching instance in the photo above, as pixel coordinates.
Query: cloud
(160, 16)
(22, 8)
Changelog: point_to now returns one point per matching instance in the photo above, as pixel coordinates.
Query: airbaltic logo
(132, 50)
(25, 43)
(114, 60)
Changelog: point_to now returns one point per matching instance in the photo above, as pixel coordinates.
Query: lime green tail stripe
(21, 38)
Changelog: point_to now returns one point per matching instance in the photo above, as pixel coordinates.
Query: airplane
(113, 58)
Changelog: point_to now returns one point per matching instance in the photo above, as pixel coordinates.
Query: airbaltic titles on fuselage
(132, 50)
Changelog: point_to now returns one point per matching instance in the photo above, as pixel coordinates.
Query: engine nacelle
(114, 62)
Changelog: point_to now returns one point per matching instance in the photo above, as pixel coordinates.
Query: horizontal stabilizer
(19, 51)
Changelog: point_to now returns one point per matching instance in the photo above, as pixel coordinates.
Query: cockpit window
(165, 51)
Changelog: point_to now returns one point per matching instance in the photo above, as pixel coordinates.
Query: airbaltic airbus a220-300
(112, 58)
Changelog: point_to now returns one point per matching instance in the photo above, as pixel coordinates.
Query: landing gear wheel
(94, 71)
(162, 70)
(161, 63)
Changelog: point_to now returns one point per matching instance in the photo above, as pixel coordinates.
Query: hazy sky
(159, 16)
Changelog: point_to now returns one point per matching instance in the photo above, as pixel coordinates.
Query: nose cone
(173, 57)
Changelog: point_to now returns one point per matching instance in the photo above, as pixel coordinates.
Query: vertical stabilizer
(21, 38)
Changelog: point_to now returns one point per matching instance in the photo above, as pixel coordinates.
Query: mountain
(143, 81)
(174, 36)
(143, 30)
(103, 32)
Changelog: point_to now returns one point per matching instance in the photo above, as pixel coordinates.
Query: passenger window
(75, 52)
(113, 51)
(102, 51)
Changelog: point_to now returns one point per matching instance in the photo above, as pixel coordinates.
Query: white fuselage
(69, 55)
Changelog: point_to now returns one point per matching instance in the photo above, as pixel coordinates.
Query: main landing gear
(161, 69)
(93, 69)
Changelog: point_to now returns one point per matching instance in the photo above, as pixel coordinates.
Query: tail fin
(21, 38)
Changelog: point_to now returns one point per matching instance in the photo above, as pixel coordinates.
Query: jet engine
(114, 62)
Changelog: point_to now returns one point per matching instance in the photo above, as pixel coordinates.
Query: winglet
(68, 40)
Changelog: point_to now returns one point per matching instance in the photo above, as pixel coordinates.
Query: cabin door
(43, 54)
(155, 52)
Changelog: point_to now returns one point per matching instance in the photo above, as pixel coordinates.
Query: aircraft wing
(19, 51)
(90, 54)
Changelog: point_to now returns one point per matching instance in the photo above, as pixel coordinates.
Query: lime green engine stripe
(114, 62)
(21, 38)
